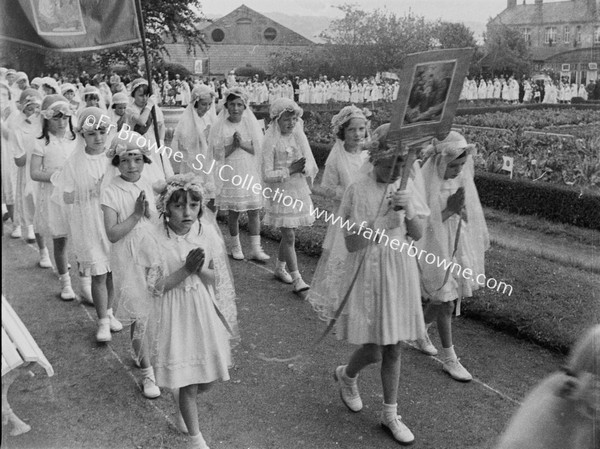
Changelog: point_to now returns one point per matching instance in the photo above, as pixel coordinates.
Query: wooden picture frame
(430, 85)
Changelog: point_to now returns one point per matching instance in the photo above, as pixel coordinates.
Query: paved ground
(93, 400)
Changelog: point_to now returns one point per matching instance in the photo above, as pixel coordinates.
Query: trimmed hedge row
(552, 202)
(475, 110)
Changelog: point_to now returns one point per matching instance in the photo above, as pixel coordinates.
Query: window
(550, 36)
(578, 34)
(217, 35)
(597, 35)
(270, 34)
(527, 35)
(567, 35)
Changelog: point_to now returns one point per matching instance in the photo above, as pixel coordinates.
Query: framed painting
(430, 85)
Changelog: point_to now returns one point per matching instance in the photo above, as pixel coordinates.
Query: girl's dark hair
(88, 97)
(46, 132)
(230, 97)
(177, 195)
(116, 160)
(144, 88)
(342, 130)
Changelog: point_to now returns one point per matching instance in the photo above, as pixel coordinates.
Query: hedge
(549, 201)
(474, 110)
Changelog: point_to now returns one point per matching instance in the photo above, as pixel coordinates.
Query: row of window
(551, 34)
(218, 34)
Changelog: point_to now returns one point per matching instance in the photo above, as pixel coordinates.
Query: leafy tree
(506, 50)
(367, 42)
(454, 35)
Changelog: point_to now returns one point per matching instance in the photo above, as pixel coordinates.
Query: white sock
(280, 264)
(148, 372)
(235, 241)
(255, 241)
(44, 252)
(295, 275)
(109, 312)
(197, 441)
(448, 353)
(390, 412)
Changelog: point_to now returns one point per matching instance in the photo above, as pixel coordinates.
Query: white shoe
(103, 334)
(398, 430)
(425, 346)
(236, 253)
(45, 261)
(115, 325)
(283, 275)
(16, 234)
(149, 388)
(300, 285)
(348, 392)
(257, 253)
(67, 293)
(456, 370)
(30, 234)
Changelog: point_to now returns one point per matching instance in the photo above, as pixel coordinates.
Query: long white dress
(384, 306)
(51, 215)
(120, 196)
(190, 338)
(279, 152)
(240, 169)
(81, 177)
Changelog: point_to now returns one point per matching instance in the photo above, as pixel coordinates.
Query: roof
(557, 12)
(257, 23)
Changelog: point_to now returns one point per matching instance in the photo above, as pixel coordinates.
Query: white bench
(19, 350)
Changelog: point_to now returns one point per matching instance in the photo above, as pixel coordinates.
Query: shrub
(174, 69)
(553, 202)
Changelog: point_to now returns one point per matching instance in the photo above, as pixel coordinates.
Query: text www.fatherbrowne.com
(226, 173)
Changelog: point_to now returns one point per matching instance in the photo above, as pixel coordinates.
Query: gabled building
(242, 38)
(563, 36)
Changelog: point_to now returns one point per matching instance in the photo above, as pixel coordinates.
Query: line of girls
(171, 278)
(285, 159)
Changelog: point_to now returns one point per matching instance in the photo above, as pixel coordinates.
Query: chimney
(511, 4)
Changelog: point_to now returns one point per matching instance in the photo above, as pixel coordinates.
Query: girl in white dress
(140, 120)
(347, 155)
(51, 151)
(127, 202)
(378, 279)
(191, 139)
(79, 181)
(194, 313)
(455, 213)
(236, 142)
(26, 129)
(287, 163)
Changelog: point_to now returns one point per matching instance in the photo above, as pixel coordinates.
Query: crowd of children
(151, 256)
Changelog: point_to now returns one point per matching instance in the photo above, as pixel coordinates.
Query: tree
(454, 35)
(367, 42)
(506, 50)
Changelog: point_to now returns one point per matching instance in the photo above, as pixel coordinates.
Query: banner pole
(138, 7)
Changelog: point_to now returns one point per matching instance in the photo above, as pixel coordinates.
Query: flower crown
(164, 189)
(348, 113)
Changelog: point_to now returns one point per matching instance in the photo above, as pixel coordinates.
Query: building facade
(563, 36)
(242, 38)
